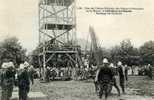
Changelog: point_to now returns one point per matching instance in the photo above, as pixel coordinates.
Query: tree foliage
(130, 55)
(126, 53)
(147, 52)
(11, 50)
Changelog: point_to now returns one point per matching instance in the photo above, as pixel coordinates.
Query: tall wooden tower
(57, 32)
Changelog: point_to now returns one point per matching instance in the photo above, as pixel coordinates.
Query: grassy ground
(144, 85)
(84, 90)
(138, 88)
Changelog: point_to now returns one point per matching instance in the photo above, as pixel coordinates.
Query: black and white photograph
(76, 50)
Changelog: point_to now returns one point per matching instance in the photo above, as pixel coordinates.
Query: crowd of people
(20, 77)
(23, 75)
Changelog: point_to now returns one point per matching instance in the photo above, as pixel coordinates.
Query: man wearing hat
(105, 73)
(104, 69)
(31, 71)
(113, 68)
(23, 82)
(121, 72)
(126, 72)
(150, 74)
(47, 74)
(7, 80)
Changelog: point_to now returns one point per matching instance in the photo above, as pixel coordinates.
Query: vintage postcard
(76, 50)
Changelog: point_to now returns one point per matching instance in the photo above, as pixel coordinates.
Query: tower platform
(49, 26)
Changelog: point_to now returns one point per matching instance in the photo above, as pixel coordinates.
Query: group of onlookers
(11, 76)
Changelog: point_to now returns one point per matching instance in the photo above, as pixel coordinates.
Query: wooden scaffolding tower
(57, 32)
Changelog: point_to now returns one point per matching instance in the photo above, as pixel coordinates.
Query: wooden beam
(52, 37)
(50, 57)
(71, 58)
(73, 52)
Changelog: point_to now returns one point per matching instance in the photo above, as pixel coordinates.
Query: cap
(105, 61)
(11, 64)
(111, 65)
(5, 65)
(119, 63)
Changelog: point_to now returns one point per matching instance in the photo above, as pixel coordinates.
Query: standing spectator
(23, 82)
(150, 71)
(7, 80)
(113, 68)
(47, 74)
(31, 73)
(121, 72)
(126, 72)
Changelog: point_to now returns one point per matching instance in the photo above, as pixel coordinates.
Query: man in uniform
(150, 71)
(113, 68)
(104, 69)
(126, 72)
(23, 82)
(106, 73)
(7, 80)
(31, 73)
(121, 72)
(47, 74)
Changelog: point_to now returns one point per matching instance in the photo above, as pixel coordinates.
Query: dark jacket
(23, 79)
(7, 78)
(105, 73)
(121, 72)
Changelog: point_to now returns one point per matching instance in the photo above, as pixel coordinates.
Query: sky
(20, 18)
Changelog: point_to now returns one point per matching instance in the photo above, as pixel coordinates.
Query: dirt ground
(138, 88)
